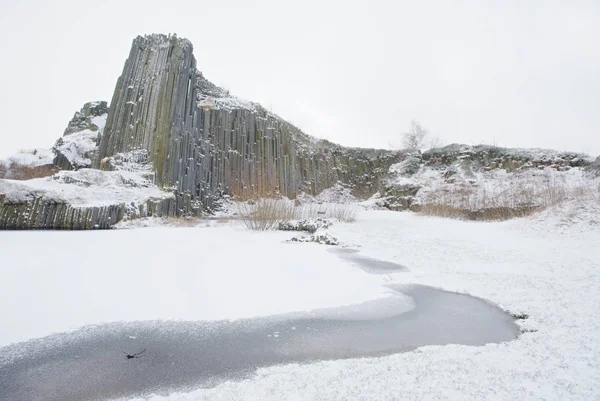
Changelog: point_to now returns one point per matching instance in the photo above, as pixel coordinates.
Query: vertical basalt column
(153, 107)
(202, 153)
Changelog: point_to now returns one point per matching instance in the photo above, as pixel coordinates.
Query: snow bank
(573, 217)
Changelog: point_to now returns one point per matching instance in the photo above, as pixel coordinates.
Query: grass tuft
(22, 172)
(521, 197)
(267, 213)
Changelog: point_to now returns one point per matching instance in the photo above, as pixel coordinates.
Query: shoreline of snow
(166, 273)
(553, 278)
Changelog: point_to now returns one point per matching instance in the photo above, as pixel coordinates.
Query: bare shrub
(266, 214)
(345, 213)
(23, 172)
(486, 214)
(522, 195)
(311, 211)
(341, 212)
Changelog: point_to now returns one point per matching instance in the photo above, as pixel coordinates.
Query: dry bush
(244, 193)
(310, 211)
(487, 214)
(266, 214)
(345, 213)
(22, 172)
(522, 196)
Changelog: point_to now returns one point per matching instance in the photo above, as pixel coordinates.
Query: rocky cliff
(203, 143)
(181, 133)
(173, 144)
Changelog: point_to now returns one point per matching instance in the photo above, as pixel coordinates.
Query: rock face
(77, 147)
(192, 142)
(203, 143)
(80, 200)
(168, 124)
(492, 157)
(43, 214)
(84, 119)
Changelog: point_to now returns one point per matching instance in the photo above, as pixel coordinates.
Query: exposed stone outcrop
(77, 147)
(84, 199)
(168, 124)
(310, 225)
(84, 119)
(492, 157)
(204, 143)
(192, 142)
(45, 214)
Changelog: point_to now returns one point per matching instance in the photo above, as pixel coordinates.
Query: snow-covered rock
(83, 199)
(324, 239)
(88, 118)
(77, 147)
(310, 225)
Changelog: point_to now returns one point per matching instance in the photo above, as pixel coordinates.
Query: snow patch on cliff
(85, 187)
(78, 147)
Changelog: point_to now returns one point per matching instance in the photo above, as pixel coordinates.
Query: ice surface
(165, 273)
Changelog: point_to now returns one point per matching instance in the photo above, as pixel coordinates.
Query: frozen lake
(90, 364)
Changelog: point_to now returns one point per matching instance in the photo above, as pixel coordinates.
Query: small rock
(324, 239)
(309, 225)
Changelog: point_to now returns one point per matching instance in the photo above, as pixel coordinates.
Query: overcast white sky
(513, 73)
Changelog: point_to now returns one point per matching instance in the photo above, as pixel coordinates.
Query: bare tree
(414, 139)
(435, 142)
(3, 169)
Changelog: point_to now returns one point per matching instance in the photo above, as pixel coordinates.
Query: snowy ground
(546, 266)
(81, 278)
